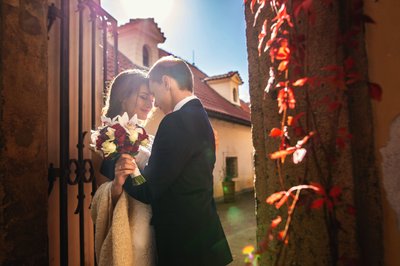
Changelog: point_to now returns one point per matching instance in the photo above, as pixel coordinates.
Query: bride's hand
(124, 166)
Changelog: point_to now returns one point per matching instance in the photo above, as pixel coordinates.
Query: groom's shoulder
(192, 106)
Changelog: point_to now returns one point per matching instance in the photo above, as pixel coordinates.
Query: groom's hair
(175, 68)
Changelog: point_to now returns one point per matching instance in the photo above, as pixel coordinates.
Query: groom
(179, 176)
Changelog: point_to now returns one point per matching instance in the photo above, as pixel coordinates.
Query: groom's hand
(124, 166)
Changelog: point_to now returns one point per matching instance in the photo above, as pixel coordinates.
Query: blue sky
(212, 30)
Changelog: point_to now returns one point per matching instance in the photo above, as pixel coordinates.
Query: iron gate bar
(64, 131)
(93, 67)
(93, 94)
(81, 169)
(115, 35)
(107, 19)
(105, 67)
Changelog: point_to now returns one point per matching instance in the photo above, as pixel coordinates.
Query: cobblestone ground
(239, 223)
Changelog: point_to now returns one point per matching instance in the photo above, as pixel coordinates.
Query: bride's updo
(123, 86)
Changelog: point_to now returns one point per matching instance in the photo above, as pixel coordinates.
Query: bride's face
(139, 103)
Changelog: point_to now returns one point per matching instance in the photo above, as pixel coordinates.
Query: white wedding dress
(123, 235)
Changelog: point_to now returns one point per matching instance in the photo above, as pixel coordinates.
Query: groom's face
(162, 96)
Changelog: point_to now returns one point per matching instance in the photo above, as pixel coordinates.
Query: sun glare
(157, 9)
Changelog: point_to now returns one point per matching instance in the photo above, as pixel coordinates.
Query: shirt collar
(183, 102)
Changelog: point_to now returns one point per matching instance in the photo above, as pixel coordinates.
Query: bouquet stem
(137, 180)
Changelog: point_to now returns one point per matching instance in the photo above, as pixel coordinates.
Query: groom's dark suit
(179, 188)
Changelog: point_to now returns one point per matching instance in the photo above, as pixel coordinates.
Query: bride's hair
(123, 86)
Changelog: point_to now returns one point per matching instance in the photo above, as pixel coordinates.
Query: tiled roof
(245, 106)
(216, 105)
(213, 102)
(227, 75)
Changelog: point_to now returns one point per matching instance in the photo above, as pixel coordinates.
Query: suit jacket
(179, 188)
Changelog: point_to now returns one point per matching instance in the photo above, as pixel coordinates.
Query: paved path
(239, 223)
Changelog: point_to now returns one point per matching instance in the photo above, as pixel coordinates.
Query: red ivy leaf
(349, 63)
(283, 65)
(276, 222)
(289, 120)
(353, 77)
(258, 12)
(281, 234)
(261, 36)
(281, 84)
(280, 154)
(253, 2)
(300, 82)
(317, 204)
(275, 132)
(335, 192)
(375, 91)
(275, 197)
(281, 201)
(297, 117)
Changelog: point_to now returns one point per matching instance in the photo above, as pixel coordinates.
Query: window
(145, 56)
(231, 166)
(235, 95)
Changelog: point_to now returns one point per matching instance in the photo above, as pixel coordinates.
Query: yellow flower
(133, 135)
(144, 142)
(110, 133)
(248, 250)
(108, 147)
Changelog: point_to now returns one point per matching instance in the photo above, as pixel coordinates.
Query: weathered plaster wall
(23, 131)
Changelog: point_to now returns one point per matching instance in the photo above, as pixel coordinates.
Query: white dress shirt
(183, 102)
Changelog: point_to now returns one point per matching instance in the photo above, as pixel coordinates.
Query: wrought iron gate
(80, 168)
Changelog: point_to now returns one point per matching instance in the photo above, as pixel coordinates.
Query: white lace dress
(123, 235)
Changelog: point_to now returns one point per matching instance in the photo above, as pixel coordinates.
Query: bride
(123, 234)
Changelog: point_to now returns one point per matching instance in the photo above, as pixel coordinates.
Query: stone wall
(23, 133)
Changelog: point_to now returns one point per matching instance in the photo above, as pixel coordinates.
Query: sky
(210, 33)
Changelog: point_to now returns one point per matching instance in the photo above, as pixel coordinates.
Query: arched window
(145, 56)
(235, 95)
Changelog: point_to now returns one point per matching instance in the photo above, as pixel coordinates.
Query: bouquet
(120, 135)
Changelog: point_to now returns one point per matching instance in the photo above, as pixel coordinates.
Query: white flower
(126, 123)
(95, 134)
(110, 133)
(108, 147)
(298, 155)
(108, 121)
